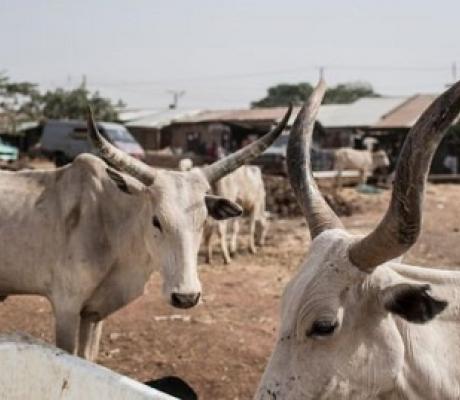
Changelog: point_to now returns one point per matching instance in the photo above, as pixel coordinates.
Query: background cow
(365, 161)
(355, 322)
(245, 186)
(87, 236)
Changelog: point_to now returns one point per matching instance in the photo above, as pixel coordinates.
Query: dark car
(273, 160)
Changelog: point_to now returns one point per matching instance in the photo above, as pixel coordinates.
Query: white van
(63, 140)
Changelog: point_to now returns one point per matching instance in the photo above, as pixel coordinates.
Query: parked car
(273, 160)
(63, 140)
(8, 153)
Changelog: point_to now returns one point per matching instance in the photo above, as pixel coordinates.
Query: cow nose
(187, 300)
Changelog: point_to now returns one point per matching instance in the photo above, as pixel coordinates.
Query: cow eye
(156, 223)
(323, 328)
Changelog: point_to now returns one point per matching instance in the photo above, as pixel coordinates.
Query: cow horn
(319, 215)
(230, 163)
(116, 157)
(400, 227)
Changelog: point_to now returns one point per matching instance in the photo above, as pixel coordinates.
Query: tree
(20, 101)
(73, 104)
(345, 93)
(282, 94)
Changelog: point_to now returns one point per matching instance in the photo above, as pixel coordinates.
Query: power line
(335, 67)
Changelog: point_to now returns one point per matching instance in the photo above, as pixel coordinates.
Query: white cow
(88, 237)
(246, 187)
(365, 161)
(355, 322)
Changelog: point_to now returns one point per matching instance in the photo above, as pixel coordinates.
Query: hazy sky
(226, 53)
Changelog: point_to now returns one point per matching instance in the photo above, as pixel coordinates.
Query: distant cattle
(245, 186)
(365, 161)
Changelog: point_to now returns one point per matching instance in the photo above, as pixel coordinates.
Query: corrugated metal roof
(130, 114)
(407, 113)
(162, 118)
(253, 114)
(370, 112)
(365, 112)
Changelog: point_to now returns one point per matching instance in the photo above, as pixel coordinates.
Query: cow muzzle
(187, 300)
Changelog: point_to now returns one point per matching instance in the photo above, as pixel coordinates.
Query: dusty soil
(221, 346)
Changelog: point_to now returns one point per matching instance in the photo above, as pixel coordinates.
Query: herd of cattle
(356, 323)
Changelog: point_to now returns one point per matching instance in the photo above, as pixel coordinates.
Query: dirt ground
(221, 346)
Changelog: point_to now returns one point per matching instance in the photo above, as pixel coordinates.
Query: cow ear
(412, 302)
(126, 184)
(220, 208)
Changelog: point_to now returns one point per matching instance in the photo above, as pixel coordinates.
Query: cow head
(380, 159)
(341, 316)
(177, 204)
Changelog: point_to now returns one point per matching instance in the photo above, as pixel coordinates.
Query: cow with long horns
(88, 236)
(356, 323)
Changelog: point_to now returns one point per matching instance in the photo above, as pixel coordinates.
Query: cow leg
(85, 338)
(207, 238)
(222, 227)
(67, 329)
(262, 223)
(252, 232)
(363, 177)
(96, 344)
(234, 240)
(90, 335)
(338, 180)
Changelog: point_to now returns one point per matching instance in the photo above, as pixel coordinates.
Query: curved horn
(319, 215)
(230, 163)
(400, 227)
(116, 157)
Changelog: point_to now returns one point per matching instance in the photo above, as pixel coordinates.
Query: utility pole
(321, 70)
(453, 71)
(84, 81)
(177, 94)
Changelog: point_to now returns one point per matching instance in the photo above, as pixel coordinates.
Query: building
(147, 125)
(206, 133)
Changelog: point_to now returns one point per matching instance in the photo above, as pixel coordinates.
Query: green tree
(73, 104)
(20, 101)
(345, 93)
(282, 94)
